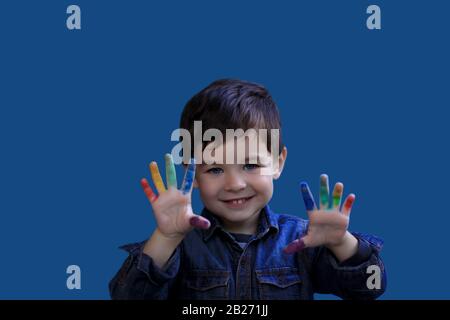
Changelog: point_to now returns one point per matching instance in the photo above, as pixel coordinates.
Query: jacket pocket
(279, 283)
(207, 284)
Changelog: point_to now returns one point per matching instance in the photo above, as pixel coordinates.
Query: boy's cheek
(276, 175)
(269, 172)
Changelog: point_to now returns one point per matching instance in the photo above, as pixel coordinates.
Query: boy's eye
(251, 166)
(215, 170)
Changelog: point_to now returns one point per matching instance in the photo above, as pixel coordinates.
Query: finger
(199, 222)
(189, 176)
(148, 191)
(156, 177)
(324, 191)
(337, 195)
(294, 246)
(348, 203)
(307, 197)
(171, 175)
(297, 245)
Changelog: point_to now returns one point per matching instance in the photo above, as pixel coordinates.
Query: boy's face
(237, 192)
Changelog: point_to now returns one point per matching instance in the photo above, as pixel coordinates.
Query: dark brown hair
(232, 104)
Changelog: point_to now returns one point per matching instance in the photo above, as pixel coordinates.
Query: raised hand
(327, 225)
(172, 207)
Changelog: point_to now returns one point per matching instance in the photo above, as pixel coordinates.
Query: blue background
(82, 113)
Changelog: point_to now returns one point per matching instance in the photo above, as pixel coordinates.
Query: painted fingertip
(289, 249)
(153, 167)
(324, 190)
(168, 158)
(171, 175)
(294, 246)
(307, 197)
(187, 187)
(148, 190)
(350, 201)
(198, 222)
(187, 183)
(304, 188)
(191, 167)
(189, 177)
(324, 181)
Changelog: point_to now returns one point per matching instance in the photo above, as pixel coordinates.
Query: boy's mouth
(237, 201)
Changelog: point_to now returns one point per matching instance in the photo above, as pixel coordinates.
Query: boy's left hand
(328, 224)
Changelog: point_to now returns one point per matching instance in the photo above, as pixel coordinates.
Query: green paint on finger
(171, 175)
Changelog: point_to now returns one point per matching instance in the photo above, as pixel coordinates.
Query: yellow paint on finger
(156, 177)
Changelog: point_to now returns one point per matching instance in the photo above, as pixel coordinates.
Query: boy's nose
(234, 182)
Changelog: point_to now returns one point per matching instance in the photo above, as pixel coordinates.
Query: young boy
(238, 248)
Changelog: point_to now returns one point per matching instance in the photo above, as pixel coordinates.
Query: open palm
(172, 207)
(328, 224)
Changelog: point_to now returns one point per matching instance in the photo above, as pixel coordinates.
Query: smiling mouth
(237, 200)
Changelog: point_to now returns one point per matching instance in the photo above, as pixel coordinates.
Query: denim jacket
(210, 264)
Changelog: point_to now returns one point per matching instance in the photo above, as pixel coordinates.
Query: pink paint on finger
(199, 222)
(294, 246)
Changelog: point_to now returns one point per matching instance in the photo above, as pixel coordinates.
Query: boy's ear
(281, 160)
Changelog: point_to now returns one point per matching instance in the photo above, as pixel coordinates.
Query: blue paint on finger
(188, 177)
(307, 196)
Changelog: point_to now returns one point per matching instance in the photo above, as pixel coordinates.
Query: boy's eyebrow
(248, 158)
(210, 164)
(257, 159)
(260, 159)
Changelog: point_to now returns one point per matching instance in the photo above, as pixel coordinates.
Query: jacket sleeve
(139, 278)
(362, 276)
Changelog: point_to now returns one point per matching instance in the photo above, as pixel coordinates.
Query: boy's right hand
(172, 207)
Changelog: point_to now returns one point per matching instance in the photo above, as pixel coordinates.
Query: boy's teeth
(238, 201)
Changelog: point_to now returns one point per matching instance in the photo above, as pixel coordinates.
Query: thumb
(199, 222)
(297, 245)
